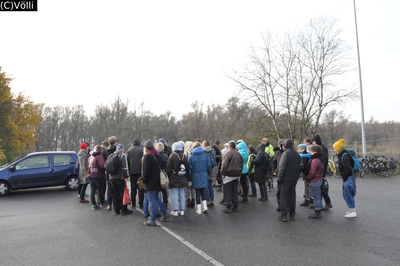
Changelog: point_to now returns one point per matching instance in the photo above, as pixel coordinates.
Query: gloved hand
(190, 183)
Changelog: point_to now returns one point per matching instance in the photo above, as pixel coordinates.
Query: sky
(169, 54)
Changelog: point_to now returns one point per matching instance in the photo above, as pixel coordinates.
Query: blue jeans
(315, 191)
(263, 190)
(178, 198)
(96, 183)
(210, 190)
(349, 189)
(155, 203)
(252, 183)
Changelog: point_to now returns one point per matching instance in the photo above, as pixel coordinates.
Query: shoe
(227, 210)
(244, 201)
(150, 223)
(163, 218)
(305, 203)
(292, 217)
(126, 212)
(311, 201)
(326, 207)
(211, 202)
(109, 208)
(278, 209)
(198, 208)
(174, 213)
(141, 206)
(95, 207)
(283, 219)
(235, 209)
(103, 205)
(204, 205)
(222, 202)
(188, 203)
(117, 213)
(351, 215)
(182, 213)
(83, 201)
(316, 215)
(208, 203)
(192, 203)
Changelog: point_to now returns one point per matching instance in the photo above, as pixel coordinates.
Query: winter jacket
(199, 168)
(278, 154)
(345, 164)
(245, 155)
(314, 169)
(252, 157)
(260, 173)
(173, 166)
(164, 158)
(123, 172)
(269, 149)
(325, 155)
(96, 164)
(152, 163)
(134, 157)
(83, 165)
(289, 165)
(105, 155)
(232, 164)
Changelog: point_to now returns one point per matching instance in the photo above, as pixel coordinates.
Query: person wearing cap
(231, 171)
(134, 157)
(167, 148)
(83, 166)
(178, 173)
(152, 163)
(225, 149)
(349, 186)
(118, 182)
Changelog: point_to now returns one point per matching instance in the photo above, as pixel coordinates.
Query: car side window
(63, 159)
(39, 161)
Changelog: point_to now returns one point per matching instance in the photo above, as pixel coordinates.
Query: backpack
(113, 163)
(182, 169)
(213, 158)
(356, 162)
(267, 166)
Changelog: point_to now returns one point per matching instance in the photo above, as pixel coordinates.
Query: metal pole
(364, 145)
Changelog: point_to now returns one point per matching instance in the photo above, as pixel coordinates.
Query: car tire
(4, 188)
(72, 183)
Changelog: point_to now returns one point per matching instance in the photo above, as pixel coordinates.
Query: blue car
(41, 169)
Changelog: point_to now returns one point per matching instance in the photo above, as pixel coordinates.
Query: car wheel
(72, 183)
(4, 188)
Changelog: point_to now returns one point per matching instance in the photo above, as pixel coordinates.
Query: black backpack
(113, 163)
(182, 169)
(267, 166)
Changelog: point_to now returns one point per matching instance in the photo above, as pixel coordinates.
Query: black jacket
(260, 173)
(345, 164)
(289, 165)
(134, 156)
(152, 164)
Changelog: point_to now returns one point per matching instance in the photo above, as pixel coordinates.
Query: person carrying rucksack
(349, 187)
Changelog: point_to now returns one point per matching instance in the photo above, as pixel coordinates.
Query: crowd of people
(196, 168)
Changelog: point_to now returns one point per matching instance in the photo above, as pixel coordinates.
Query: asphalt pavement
(50, 227)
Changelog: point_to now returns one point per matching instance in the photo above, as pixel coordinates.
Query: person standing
(111, 145)
(177, 171)
(118, 182)
(83, 166)
(349, 186)
(199, 169)
(209, 150)
(277, 157)
(313, 176)
(260, 174)
(161, 150)
(231, 170)
(96, 177)
(252, 156)
(242, 147)
(152, 163)
(134, 157)
(288, 174)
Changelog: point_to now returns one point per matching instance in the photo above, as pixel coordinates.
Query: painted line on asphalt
(187, 243)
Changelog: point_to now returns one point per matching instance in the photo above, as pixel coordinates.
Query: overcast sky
(172, 53)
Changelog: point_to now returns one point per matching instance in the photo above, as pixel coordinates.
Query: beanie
(120, 147)
(339, 145)
(162, 141)
(84, 146)
(302, 146)
(149, 144)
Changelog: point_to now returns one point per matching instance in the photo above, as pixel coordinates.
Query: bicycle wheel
(394, 167)
(382, 169)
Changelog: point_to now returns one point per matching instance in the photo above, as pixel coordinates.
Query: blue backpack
(356, 162)
(212, 157)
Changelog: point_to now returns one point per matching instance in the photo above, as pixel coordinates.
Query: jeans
(263, 190)
(96, 183)
(243, 183)
(210, 190)
(288, 197)
(145, 205)
(190, 193)
(306, 190)
(315, 191)
(178, 198)
(155, 203)
(349, 189)
(231, 195)
(118, 186)
(135, 190)
(200, 193)
(252, 183)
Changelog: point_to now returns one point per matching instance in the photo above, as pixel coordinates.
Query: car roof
(51, 152)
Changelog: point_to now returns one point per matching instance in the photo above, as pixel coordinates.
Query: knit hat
(217, 142)
(302, 146)
(120, 147)
(339, 145)
(149, 144)
(84, 146)
(162, 141)
(177, 146)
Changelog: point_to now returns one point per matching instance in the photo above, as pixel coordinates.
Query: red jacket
(315, 169)
(96, 164)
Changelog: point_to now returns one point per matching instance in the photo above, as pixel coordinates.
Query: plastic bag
(126, 199)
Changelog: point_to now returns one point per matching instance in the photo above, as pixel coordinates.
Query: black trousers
(231, 195)
(288, 197)
(244, 184)
(117, 188)
(135, 190)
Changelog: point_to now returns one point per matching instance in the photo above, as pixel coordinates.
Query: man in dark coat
(134, 156)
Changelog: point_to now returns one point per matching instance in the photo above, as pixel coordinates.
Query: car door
(64, 166)
(33, 171)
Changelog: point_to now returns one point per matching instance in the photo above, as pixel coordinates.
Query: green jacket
(270, 150)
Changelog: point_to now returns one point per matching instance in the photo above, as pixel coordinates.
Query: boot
(253, 193)
(306, 202)
(204, 203)
(198, 208)
(316, 215)
(192, 203)
(188, 203)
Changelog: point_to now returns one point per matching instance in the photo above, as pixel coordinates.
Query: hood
(317, 139)
(208, 148)
(136, 142)
(198, 150)
(288, 144)
(261, 148)
(188, 147)
(242, 146)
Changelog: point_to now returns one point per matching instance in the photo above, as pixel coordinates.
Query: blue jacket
(199, 168)
(245, 155)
